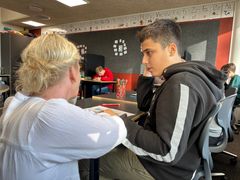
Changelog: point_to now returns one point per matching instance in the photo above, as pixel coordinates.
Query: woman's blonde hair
(44, 62)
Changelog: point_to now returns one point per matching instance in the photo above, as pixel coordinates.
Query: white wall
(0, 36)
(183, 14)
(235, 46)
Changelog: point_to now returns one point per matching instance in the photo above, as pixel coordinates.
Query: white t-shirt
(42, 140)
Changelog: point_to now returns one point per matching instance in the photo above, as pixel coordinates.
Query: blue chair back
(223, 119)
(206, 162)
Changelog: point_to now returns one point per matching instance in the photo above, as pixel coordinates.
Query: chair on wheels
(236, 116)
(236, 109)
(228, 92)
(223, 119)
(206, 165)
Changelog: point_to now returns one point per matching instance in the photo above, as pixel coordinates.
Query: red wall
(132, 79)
(36, 32)
(224, 40)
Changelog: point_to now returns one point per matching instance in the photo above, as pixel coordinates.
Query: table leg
(113, 87)
(100, 88)
(94, 169)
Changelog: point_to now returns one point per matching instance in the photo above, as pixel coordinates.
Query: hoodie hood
(202, 69)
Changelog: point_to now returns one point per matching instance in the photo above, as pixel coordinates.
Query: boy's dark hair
(164, 31)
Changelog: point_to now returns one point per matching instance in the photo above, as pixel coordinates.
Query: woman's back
(43, 139)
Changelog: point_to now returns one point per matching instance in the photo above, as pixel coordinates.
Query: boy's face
(231, 74)
(155, 57)
(101, 73)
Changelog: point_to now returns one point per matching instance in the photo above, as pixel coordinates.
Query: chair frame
(223, 119)
(203, 145)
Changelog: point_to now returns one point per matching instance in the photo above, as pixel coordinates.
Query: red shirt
(107, 76)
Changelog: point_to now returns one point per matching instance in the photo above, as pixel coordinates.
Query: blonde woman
(42, 135)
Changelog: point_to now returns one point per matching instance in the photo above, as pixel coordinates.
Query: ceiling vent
(35, 8)
(43, 17)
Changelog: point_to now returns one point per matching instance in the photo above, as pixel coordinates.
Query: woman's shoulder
(57, 104)
(58, 109)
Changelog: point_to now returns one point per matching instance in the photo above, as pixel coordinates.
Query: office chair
(206, 165)
(231, 91)
(223, 119)
(235, 119)
(236, 116)
(228, 92)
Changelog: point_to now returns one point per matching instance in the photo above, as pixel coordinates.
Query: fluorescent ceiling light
(33, 23)
(73, 3)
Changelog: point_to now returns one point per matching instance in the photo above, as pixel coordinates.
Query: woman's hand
(110, 112)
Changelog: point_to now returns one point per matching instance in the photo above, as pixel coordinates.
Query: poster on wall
(120, 47)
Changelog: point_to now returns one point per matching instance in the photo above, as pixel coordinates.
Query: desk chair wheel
(238, 123)
(236, 131)
(221, 176)
(233, 161)
(224, 178)
(234, 127)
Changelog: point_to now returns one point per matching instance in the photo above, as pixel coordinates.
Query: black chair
(228, 92)
(235, 121)
(206, 165)
(230, 104)
(223, 119)
(236, 117)
(231, 91)
(222, 115)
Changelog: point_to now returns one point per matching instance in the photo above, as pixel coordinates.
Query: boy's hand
(97, 78)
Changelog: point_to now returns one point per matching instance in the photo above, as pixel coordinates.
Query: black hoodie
(167, 143)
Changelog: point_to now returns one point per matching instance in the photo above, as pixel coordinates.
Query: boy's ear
(172, 49)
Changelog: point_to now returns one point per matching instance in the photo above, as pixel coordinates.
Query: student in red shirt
(102, 74)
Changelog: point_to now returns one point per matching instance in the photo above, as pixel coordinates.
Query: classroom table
(85, 83)
(4, 89)
(129, 98)
(7, 79)
(123, 105)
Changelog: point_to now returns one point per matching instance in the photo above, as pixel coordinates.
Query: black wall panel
(199, 39)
